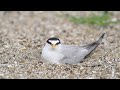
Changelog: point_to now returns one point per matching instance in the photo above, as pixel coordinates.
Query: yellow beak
(53, 45)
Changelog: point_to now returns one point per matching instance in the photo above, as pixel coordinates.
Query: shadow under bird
(58, 53)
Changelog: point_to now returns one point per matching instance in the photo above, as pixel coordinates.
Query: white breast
(51, 55)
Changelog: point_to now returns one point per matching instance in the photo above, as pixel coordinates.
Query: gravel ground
(23, 35)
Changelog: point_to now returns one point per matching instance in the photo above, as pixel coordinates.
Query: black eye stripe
(57, 43)
(49, 42)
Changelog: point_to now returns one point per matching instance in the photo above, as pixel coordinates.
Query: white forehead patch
(54, 41)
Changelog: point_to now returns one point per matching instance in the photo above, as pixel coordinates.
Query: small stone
(24, 48)
(67, 69)
(94, 72)
(2, 74)
(6, 46)
(1, 52)
(9, 66)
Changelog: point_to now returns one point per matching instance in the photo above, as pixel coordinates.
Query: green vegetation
(99, 20)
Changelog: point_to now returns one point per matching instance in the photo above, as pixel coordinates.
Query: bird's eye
(57, 43)
(48, 42)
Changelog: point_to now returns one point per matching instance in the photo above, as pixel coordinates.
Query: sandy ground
(23, 35)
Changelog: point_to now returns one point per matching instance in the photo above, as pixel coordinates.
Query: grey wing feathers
(72, 54)
(75, 54)
(69, 50)
(96, 43)
(91, 47)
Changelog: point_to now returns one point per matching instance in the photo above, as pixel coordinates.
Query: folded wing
(75, 54)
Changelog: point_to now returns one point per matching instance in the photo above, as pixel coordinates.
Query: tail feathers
(91, 47)
(100, 39)
(96, 43)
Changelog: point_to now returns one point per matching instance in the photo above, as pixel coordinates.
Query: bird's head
(53, 42)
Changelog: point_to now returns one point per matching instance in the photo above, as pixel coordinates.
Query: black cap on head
(53, 38)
